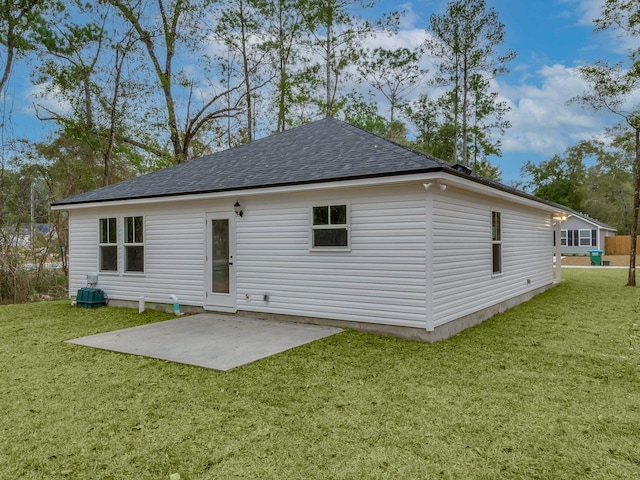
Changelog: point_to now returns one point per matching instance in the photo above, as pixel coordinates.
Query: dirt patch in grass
(584, 260)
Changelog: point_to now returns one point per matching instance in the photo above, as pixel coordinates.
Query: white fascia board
(594, 223)
(442, 178)
(307, 187)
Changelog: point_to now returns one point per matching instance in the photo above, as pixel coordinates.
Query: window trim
(496, 242)
(589, 238)
(573, 237)
(126, 244)
(334, 226)
(108, 244)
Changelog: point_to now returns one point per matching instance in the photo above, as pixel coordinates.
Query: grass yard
(548, 390)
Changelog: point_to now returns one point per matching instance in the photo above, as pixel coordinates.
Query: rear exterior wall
(381, 279)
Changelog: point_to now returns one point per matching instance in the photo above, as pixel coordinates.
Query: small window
(133, 244)
(563, 238)
(108, 244)
(496, 242)
(330, 227)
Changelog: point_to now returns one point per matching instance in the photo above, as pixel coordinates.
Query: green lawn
(547, 390)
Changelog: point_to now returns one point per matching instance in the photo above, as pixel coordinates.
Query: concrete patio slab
(219, 342)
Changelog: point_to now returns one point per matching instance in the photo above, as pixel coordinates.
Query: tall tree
(82, 62)
(18, 18)
(393, 73)
(609, 182)
(487, 116)
(611, 88)
(561, 178)
(283, 32)
(241, 28)
(464, 43)
(168, 28)
(434, 129)
(337, 32)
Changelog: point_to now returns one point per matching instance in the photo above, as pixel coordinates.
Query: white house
(325, 222)
(581, 233)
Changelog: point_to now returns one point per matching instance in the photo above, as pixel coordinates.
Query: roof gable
(322, 151)
(592, 221)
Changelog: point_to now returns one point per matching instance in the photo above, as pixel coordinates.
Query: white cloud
(542, 121)
(48, 97)
(410, 17)
(587, 11)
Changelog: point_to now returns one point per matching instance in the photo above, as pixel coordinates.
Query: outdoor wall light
(238, 209)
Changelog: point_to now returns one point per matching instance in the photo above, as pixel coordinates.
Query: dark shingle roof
(326, 150)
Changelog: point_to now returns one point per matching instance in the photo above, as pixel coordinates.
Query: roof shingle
(322, 151)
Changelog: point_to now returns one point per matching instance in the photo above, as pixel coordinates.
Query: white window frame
(102, 244)
(496, 242)
(563, 238)
(588, 238)
(330, 226)
(135, 243)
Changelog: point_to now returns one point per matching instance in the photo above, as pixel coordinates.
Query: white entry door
(220, 268)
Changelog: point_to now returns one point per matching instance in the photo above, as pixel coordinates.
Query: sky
(551, 37)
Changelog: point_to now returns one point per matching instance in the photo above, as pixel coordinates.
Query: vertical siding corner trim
(428, 256)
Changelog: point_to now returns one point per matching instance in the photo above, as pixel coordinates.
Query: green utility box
(90, 298)
(596, 257)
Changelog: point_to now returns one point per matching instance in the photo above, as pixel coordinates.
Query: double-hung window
(496, 242)
(585, 238)
(563, 238)
(330, 227)
(108, 244)
(133, 244)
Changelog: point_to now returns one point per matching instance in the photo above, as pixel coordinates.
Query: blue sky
(551, 37)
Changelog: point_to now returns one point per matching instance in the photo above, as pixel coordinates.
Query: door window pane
(220, 256)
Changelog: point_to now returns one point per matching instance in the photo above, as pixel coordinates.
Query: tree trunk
(465, 106)
(328, 72)
(10, 43)
(634, 221)
(245, 69)
(282, 83)
(112, 118)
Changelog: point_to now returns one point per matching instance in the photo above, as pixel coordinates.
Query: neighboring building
(581, 233)
(324, 221)
(20, 237)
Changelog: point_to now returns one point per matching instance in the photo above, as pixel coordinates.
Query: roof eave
(365, 180)
(445, 176)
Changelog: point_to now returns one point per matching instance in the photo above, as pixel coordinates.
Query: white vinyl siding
(381, 279)
(174, 250)
(462, 264)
